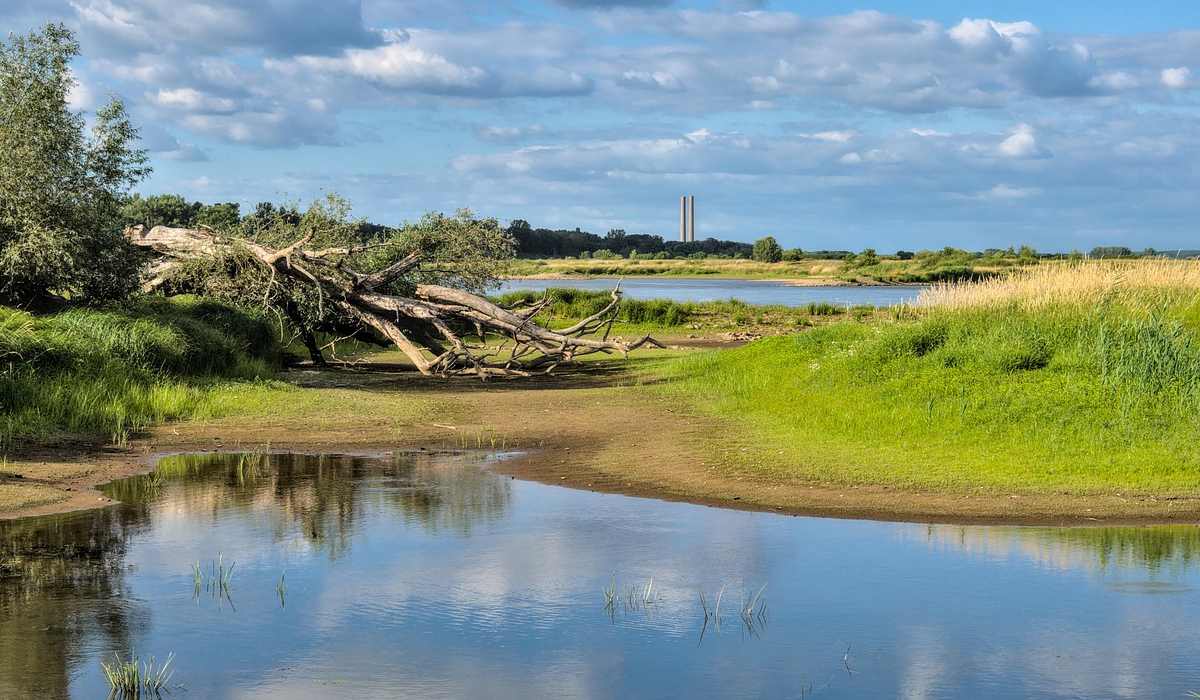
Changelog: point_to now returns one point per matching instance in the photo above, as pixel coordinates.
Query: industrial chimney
(687, 218)
(683, 219)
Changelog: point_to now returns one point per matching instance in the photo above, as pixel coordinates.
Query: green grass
(109, 372)
(1073, 398)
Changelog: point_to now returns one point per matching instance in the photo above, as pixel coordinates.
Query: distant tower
(692, 218)
(683, 218)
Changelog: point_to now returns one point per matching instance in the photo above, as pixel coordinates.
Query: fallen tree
(441, 329)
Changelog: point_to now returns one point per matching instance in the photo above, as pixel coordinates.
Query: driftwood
(426, 326)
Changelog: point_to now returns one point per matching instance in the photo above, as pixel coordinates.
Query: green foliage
(110, 371)
(1085, 399)
(767, 250)
(160, 210)
(225, 217)
(60, 188)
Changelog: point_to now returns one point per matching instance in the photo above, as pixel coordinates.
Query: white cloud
(832, 136)
(1176, 78)
(192, 100)
(1116, 81)
(397, 65)
(1008, 192)
(655, 80)
(1021, 143)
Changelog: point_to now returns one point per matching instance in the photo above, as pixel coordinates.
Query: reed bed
(1140, 283)
(133, 678)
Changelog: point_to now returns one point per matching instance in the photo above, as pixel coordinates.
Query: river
(430, 575)
(758, 292)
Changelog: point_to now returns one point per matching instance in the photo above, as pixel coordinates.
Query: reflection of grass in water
(240, 467)
(134, 678)
(1150, 548)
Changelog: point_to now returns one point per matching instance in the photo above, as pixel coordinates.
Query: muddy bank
(590, 428)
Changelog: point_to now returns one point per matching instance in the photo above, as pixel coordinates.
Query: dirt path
(588, 429)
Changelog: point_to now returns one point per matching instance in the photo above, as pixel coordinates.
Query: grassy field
(1082, 378)
(90, 373)
(925, 268)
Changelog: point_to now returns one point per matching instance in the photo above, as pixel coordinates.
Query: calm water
(429, 576)
(749, 291)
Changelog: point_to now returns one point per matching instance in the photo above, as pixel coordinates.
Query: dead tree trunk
(426, 326)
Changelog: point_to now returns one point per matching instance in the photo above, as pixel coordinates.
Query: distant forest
(576, 243)
(174, 210)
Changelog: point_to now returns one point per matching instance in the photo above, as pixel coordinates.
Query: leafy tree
(1111, 251)
(160, 210)
(225, 216)
(767, 250)
(866, 258)
(60, 187)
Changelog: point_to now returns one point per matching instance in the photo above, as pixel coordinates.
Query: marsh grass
(134, 678)
(218, 580)
(1083, 378)
(107, 373)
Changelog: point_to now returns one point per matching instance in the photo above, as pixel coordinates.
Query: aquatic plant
(133, 678)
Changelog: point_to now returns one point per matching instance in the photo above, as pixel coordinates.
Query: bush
(767, 250)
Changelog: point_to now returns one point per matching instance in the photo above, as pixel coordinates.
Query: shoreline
(595, 439)
(788, 281)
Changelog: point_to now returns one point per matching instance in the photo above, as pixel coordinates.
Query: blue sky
(829, 124)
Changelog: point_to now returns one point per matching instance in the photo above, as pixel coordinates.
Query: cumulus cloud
(1021, 143)
(1176, 78)
(191, 100)
(612, 107)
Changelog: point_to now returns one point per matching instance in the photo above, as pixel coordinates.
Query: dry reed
(1138, 282)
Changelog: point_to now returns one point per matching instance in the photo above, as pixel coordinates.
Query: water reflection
(428, 575)
(1163, 549)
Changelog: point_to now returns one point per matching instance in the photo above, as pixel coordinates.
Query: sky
(830, 124)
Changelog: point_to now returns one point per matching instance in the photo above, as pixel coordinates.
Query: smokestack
(683, 218)
(692, 218)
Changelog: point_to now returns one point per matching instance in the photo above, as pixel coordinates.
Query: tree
(866, 258)
(767, 250)
(60, 187)
(159, 210)
(1111, 251)
(413, 287)
(225, 216)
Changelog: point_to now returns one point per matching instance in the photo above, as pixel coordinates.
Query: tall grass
(1083, 378)
(1146, 284)
(134, 679)
(111, 372)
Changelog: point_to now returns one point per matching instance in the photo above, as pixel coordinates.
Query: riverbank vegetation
(868, 267)
(1080, 378)
(89, 372)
